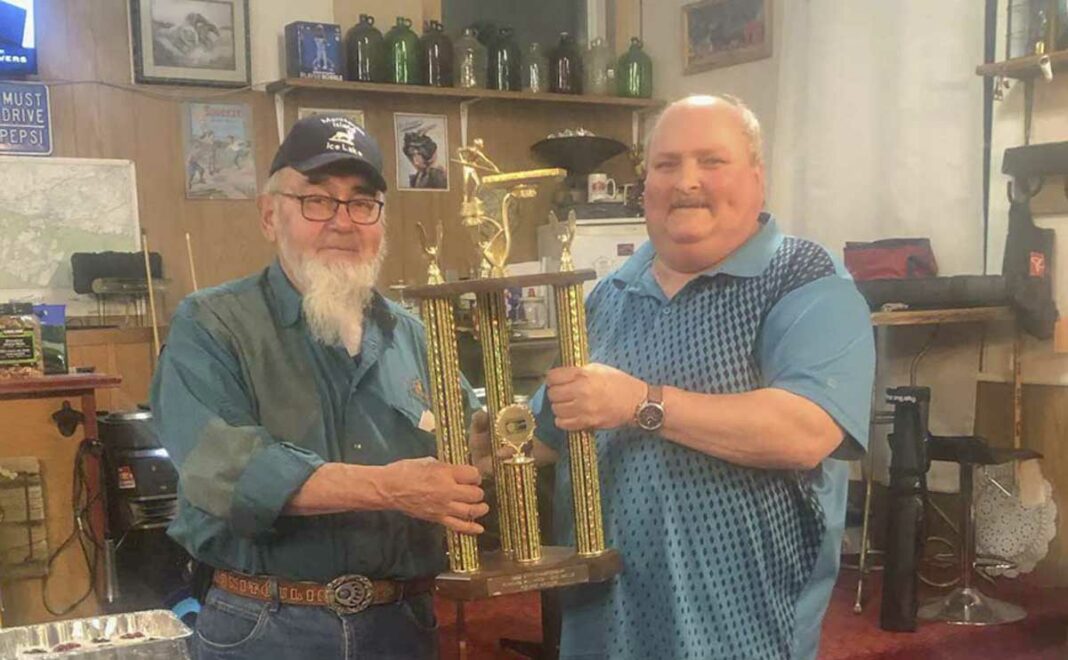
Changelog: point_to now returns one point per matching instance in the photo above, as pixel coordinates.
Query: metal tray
(163, 638)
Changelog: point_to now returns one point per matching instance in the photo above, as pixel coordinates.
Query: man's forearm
(766, 428)
(339, 487)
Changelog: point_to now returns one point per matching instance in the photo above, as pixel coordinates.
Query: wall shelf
(461, 94)
(1023, 68)
(940, 316)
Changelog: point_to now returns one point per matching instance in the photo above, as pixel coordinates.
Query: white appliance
(602, 246)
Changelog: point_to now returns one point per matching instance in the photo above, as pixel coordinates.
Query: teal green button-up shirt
(249, 404)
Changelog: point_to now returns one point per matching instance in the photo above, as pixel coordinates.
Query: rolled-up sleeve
(817, 343)
(229, 466)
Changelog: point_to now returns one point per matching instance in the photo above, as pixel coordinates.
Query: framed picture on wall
(422, 151)
(190, 42)
(356, 116)
(218, 151)
(718, 33)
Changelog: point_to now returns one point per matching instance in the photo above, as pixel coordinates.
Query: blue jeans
(232, 627)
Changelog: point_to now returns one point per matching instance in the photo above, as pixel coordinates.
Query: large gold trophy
(523, 563)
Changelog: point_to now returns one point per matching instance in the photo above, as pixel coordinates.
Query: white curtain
(878, 128)
(878, 134)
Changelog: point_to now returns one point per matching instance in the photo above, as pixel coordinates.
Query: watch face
(651, 416)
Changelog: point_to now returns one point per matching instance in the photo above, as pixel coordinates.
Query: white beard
(335, 296)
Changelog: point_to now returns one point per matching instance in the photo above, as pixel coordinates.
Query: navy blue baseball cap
(320, 140)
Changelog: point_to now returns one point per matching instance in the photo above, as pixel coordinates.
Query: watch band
(655, 394)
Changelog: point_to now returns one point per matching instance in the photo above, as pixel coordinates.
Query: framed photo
(422, 151)
(718, 33)
(355, 115)
(218, 151)
(191, 42)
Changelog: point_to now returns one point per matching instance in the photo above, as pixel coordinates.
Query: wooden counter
(27, 429)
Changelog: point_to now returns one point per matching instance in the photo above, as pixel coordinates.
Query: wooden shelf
(59, 385)
(939, 316)
(1023, 68)
(461, 94)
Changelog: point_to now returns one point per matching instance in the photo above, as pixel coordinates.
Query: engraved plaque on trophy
(523, 563)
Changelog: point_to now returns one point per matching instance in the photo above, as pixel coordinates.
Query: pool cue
(192, 265)
(151, 296)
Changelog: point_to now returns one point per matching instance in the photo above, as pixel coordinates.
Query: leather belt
(347, 594)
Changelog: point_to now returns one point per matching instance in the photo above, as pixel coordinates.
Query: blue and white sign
(25, 119)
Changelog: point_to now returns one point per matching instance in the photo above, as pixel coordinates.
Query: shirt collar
(287, 301)
(749, 260)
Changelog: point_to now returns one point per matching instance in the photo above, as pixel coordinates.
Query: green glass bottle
(402, 49)
(505, 62)
(436, 56)
(635, 72)
(366, 51)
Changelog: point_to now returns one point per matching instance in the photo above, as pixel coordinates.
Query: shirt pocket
(416, 421)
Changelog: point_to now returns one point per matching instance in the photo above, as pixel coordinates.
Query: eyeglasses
(321, 208)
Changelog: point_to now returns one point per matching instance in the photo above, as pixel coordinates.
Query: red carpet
(846, 636)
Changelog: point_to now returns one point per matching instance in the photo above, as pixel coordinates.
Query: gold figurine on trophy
(523, 563)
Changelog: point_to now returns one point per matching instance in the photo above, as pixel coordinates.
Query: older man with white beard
(294, 405)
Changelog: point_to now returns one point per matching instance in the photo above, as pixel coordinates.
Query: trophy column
(493, 334)
(444, 366)
(585, 484)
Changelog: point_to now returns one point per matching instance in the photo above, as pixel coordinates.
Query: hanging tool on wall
(151, 298)
(192, 264)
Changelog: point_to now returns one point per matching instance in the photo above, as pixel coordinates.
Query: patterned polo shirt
(720, 560)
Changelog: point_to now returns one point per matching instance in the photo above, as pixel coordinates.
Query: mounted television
(18, 45)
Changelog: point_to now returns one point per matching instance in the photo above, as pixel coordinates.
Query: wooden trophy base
(559, 566)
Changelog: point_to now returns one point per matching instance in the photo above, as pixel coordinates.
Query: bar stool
(966, 605)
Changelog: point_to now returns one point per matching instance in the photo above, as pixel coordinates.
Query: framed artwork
(718, 33)
(422, 151)
(218, 151)
(355, 115)
(191, 42)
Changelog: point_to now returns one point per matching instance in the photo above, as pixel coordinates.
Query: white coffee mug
(599, 188)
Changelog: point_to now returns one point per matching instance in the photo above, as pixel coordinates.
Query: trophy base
(559, 566)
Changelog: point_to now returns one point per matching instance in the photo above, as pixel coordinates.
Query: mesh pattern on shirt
(716, 554)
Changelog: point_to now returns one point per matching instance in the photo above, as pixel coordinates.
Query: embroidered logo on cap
(344, 138)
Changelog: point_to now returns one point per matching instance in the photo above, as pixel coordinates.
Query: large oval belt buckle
(349, 594)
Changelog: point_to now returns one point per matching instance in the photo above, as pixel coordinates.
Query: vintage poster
(218, 151)
(422, 151)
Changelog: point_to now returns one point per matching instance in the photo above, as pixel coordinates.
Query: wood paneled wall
(96, 115)
(100, 114)
(508, 128)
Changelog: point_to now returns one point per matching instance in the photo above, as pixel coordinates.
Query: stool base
(970, 607)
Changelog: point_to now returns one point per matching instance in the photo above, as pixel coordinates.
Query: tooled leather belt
(346, 594)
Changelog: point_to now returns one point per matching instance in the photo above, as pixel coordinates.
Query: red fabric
(896, 258)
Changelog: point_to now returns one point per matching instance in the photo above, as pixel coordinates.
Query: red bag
(890, 259)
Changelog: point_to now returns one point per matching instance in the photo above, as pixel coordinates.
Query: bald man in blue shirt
(731, 371)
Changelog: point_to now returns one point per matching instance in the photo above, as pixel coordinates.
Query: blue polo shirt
(248, 404)
(720, 561)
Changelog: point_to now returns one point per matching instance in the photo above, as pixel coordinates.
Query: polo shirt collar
(749, 260)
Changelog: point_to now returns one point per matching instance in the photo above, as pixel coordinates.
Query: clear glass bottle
(598, 69)
(536, 69)
(469, 60)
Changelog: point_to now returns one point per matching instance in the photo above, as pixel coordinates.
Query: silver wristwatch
(650, 413)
